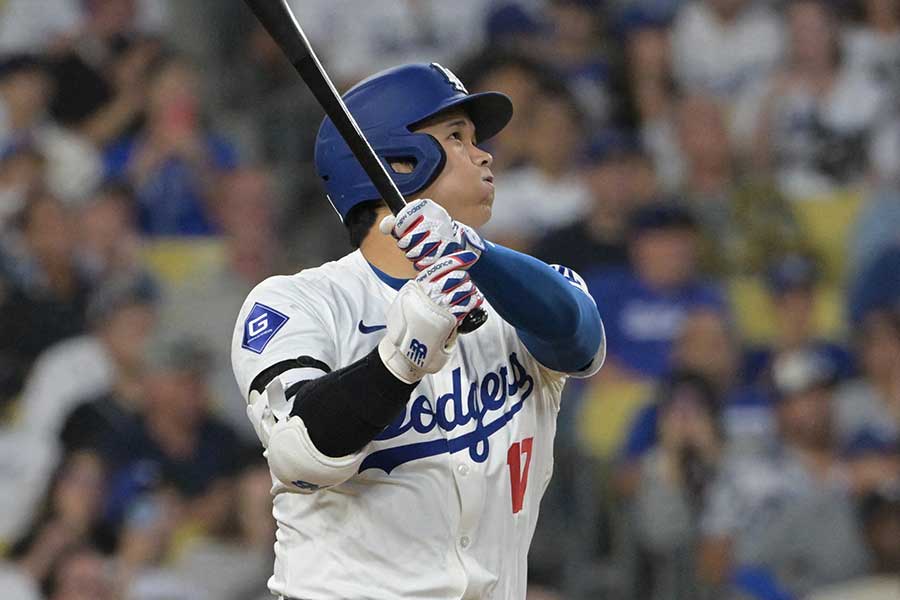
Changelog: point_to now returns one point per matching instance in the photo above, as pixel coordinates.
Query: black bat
(278, 19)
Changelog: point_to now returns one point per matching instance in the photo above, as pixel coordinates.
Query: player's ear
(403, 166)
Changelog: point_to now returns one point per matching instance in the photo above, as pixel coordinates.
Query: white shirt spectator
(356, 39)
(823, 145)
(26, 464)
(66, 374)
(74, 168)
(772, 507)
(528, 203)
(722, 59)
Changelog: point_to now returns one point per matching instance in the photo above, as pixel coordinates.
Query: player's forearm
(558, 322)
(345, 409)
(333, 417)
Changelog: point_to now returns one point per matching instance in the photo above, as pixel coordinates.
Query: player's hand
(425, 231)
(422, 321)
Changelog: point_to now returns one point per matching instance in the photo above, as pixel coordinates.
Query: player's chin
(481, 212)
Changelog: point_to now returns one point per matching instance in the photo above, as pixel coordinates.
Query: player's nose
(482, 158)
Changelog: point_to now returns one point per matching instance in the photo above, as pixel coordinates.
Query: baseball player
(409, 461)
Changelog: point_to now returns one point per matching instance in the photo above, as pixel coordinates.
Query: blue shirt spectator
(642, 321)
(644, 306)
(642, 435)
(174, 164)
(171, 200)
(793, 281)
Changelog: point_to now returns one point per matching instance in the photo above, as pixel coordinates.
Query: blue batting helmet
(386, 106)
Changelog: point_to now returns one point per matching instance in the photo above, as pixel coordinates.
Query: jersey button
(464, 541)
(463, 470)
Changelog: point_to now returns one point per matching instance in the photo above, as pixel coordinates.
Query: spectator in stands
(174, 443)
(708, 346)
(793, 284)
(519, 76)
(546, 192)
(649, 71)
(71, 517)
(763, 522)
(46, 295)
(232, 557)
(674, 478)
(880, 513)
(517, 28)
(574, 50)
(745, 223)
(105, 363)
(101, 80)
(175, 164)
(818, 117)
(867, 409)
(645, 306)
(109, 242)
(73, 167)
(205, 304)
(724, 47)
(599, 240)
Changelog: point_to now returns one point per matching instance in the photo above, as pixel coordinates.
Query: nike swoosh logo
(363, 328)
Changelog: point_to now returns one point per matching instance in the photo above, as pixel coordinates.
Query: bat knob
(473, 321)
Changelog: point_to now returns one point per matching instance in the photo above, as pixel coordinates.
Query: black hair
(360, 219)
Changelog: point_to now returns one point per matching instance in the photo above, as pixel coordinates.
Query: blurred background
(725, 174)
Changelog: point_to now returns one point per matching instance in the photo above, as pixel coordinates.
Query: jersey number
(518, 474)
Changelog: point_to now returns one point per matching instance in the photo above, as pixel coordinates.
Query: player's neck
(381, 250)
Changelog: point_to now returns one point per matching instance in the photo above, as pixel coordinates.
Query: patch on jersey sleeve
(572, 277)
(261, 326)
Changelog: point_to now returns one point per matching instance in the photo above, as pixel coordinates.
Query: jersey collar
(394, 282)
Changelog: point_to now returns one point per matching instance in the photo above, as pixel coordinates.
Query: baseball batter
(409, 461)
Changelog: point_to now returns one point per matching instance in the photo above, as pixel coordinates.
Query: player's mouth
(488, 179)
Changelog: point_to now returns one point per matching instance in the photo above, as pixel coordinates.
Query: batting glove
(425, 231)
(422, 321)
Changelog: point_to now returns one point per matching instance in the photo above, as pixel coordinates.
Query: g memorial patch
(261, 326)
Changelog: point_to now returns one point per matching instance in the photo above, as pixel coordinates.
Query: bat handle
(473, 321)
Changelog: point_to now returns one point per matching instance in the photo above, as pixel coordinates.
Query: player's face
(465, 188)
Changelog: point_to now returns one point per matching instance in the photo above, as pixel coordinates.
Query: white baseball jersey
(445, 502)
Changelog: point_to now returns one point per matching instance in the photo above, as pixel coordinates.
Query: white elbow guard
(264, 408)
(298, 464)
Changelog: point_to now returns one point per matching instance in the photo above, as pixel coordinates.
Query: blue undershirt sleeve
(553, 313)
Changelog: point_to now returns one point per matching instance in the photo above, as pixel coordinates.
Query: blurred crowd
(725, 175)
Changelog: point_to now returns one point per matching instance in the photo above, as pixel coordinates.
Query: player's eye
(456, 135)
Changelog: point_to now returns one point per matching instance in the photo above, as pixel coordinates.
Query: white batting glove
(422, 320)
(427, 233)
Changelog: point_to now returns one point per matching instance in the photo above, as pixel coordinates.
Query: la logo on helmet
(452, 79)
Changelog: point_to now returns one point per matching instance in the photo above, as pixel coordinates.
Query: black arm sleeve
(345, 409)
